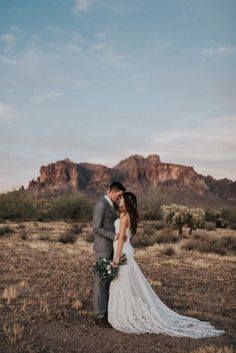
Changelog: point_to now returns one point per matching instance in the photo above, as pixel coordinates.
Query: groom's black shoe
(107, 323)
(102, 322)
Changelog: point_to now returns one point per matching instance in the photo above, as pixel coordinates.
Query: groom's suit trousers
(101, 289)
(104, 217)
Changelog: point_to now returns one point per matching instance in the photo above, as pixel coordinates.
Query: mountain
(148, 177)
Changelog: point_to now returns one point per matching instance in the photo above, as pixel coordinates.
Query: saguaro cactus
(180, 216)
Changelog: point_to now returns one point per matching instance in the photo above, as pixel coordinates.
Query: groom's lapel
(112, 208)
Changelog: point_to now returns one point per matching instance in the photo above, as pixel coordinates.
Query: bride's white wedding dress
(134, 307)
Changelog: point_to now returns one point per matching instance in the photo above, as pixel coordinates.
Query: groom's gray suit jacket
(104, 217)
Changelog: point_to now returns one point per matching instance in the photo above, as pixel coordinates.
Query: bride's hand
(116, 261)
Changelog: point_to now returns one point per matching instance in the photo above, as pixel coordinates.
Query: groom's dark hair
(116, 185)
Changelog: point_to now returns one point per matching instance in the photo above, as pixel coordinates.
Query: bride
(133, 305)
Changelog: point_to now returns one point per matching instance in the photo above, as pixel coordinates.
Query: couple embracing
(129, 303)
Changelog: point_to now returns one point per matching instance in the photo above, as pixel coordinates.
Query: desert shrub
(73, 207)
(221, 223)
(167, 235)
(6, 231)
(17, 205)
(229, 214)
(24, 235)
(21, 226)
(23, 204)
(211, 215)
(67, 237)
(142, 239)
(76, 228)
(44, 237)
(150, 210)
(148, 229)
(232, 226)
(225, 245)
(158, 225)
(210, 226)
(168, 250)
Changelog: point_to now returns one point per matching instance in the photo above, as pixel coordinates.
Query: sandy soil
(46, 297)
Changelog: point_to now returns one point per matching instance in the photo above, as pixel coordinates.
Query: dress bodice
(126, 247)
(117, 227)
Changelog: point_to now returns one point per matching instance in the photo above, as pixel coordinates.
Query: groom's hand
(125, 237)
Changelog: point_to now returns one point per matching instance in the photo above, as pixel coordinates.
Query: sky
(100, 80)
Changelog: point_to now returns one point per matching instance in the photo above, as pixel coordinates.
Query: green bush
(229, 214)
(74, 208)
(23, 205)
(17, 205)
(211, 215)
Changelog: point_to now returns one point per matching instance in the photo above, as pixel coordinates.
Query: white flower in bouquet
(104, 268)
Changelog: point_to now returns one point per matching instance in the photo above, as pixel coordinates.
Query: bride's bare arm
(122, 236)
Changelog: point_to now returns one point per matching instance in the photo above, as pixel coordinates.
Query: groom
(104, 216)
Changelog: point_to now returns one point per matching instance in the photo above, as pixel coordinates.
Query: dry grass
(214, 349)
(224, 245)
(148, 236)
(13, 331)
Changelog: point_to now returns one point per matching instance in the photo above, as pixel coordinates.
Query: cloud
(224, 50)
(8, 37)
(82, 5)
(69, 35)
(213, 139)
(68, 47)
(209, 146)
(16, 29)
(47, 96)
(9, 41)
(107, 52)
(7, 113)
(5, 60)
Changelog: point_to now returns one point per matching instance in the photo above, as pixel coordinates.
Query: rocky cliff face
(150, 172)
(141, 175)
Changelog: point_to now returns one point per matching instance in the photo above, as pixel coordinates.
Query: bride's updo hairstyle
(131, 207)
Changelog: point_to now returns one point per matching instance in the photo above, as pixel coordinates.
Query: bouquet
(104, 268)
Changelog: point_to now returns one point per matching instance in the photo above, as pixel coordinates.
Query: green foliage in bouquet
(104, 268)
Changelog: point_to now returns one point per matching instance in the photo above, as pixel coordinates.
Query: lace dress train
(134, 307)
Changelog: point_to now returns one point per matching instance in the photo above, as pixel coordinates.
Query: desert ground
(46, 292)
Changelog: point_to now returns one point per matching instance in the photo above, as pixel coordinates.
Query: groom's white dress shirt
(111, 203)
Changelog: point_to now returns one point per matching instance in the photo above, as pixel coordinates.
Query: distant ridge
(148, 177)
